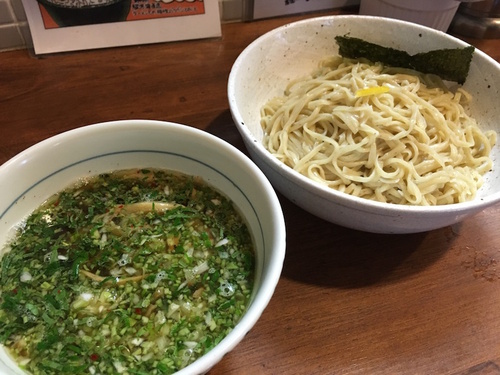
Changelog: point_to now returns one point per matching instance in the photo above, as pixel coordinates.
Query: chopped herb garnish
(134, 272)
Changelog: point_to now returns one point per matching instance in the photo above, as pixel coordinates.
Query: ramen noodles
(379, 133)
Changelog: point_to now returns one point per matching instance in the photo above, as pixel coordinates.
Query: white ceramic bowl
(42, 170)
(265, 67)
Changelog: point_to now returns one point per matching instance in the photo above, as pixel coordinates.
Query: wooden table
(347, 302)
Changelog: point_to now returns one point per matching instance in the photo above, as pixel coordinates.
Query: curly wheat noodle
(411, 145)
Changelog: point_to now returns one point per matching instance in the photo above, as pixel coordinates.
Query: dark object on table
(478, 19)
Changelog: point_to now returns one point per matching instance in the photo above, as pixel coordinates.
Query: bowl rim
(341, 198)
(276, 246)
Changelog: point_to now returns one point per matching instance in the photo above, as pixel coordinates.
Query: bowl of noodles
(124, 250)
(363, 144)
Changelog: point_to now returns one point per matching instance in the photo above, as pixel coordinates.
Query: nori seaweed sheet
(450, 64)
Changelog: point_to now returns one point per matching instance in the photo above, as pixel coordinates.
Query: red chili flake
(94, 357)
(14, 291)
(56, 203)
(138, 311)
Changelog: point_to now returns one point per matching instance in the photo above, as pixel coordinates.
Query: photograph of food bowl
(86, 12)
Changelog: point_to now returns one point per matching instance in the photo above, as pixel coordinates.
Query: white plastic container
(437, 14)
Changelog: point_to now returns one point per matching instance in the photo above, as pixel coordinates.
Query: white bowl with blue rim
(35, 174)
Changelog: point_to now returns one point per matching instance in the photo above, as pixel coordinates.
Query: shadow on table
(319, 252)
(223, 127)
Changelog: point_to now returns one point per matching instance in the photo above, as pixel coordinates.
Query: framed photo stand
(69, 25)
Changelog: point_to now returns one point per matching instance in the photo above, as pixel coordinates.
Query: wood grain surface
(348, 302)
